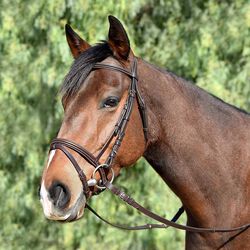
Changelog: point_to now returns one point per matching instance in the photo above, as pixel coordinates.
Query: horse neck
(198, 145)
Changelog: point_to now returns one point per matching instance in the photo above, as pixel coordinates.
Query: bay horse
(197, 143)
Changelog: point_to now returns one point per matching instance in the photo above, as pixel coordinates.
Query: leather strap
(141, 227)
(80, 172)
(167, 223)
(133, 87)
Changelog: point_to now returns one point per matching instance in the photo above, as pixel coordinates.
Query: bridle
(118, 133)
(104, 168)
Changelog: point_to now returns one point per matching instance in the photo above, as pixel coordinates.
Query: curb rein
(103, 169)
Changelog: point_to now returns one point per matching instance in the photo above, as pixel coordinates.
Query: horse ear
(76, 43)
(118, 39)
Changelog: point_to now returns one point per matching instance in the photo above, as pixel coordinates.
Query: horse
(118, 108)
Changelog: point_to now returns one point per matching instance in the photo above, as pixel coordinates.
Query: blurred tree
(204, 41)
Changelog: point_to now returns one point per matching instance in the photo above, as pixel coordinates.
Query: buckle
(93, 181)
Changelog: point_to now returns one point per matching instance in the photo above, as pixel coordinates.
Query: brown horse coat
(198, 144)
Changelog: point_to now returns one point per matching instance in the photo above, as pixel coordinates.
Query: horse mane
(230, 105)
(82, 66)
(181, 79)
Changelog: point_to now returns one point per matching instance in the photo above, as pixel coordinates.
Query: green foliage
(204, 41)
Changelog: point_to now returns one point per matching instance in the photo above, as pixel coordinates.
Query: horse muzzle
(57, 204)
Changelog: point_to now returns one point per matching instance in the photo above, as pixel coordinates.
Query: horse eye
(110, 102)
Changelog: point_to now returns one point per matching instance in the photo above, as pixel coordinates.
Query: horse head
(98, 95)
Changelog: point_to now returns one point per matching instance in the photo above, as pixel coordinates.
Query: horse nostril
(59, 194)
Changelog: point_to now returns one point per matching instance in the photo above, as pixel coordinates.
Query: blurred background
(206, 42)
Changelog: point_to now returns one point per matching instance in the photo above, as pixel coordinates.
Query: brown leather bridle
(103, 169)
(118, 133)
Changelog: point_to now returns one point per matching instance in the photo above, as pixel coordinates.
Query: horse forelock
(82, 66)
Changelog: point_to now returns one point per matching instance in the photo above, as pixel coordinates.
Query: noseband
(104, 168)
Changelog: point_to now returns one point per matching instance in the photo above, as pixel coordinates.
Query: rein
(103, 169)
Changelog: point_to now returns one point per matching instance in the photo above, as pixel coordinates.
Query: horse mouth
(77, 210)
(76, 213)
